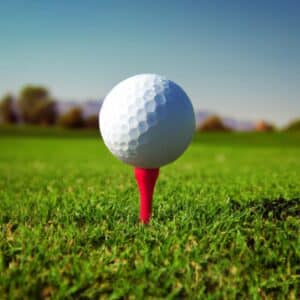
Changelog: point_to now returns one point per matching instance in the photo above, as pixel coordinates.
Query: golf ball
(147, 121)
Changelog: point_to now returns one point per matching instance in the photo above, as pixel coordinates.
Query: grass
(225, 225)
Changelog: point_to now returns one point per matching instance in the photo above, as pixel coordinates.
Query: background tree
(213, 123)
(92, 122)
(264, 126)
(45, 112)
(7, 112)
(72, 119)
(36, 106)
(293, 126)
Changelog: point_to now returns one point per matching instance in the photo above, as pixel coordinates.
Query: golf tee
(146, 179)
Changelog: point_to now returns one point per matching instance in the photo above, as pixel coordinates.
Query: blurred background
(237, 60)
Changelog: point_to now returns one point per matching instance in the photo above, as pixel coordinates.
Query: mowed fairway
(225, 221)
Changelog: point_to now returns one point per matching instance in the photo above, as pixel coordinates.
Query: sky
(236, 58)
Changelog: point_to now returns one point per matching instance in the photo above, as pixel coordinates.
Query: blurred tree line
(35, 106)
(213, 123)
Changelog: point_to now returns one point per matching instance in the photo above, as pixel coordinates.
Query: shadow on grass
(46, 132)
(278, 209)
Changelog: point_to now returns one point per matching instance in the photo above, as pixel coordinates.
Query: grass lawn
(225, 221)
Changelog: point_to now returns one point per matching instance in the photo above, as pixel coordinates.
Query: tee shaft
(146, 179)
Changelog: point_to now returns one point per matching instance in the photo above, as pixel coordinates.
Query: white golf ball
(147, 121)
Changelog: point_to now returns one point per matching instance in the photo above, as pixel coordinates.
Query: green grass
(225, 223)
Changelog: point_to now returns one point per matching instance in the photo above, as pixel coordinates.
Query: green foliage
(72, 119)
(294, 126)
(7, 113)
(36, 106)
(225, 225)
(213, 123)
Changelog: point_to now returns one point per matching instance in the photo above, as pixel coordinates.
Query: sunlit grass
(225, 221)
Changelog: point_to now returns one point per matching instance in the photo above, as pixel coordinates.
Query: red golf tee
(146, 179)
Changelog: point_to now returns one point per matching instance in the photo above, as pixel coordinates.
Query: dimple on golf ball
(147, 121)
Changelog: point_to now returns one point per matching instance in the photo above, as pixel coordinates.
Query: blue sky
(237, 58)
